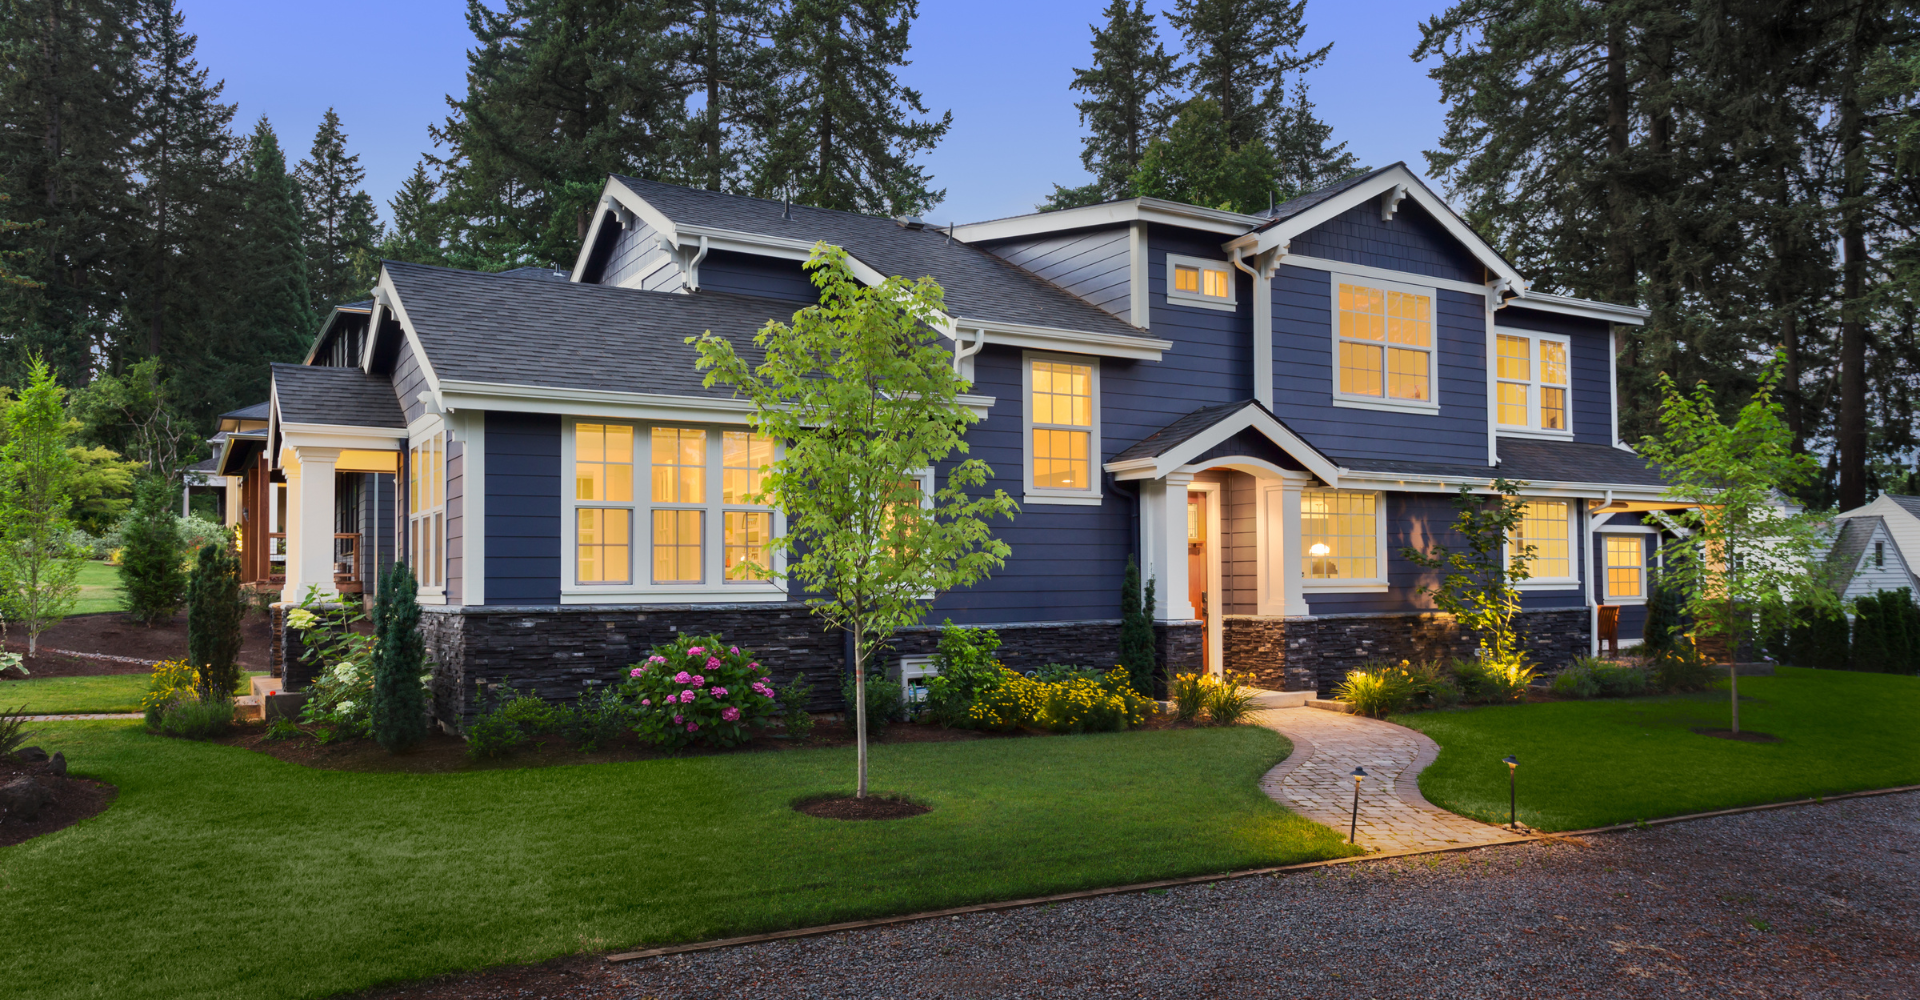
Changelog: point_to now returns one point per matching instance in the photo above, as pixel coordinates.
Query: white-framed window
(1343, 539)
(1547, 525)
(1532, 384)
(427, 511)
(1626, 557)
(668, 508)
(1062, 428)
(1384, 345)
(1192, 281)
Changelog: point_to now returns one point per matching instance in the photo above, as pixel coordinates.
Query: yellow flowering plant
(1073, 704)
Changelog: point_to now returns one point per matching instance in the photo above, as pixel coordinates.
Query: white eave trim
(1048, 338)
(1158, 466)
(1387, 180)
(625, 405)
(1111, 213)
(1534, 487)
(1569, 306)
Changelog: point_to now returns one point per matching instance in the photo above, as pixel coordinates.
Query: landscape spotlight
(1513, 766)
(1359, 775)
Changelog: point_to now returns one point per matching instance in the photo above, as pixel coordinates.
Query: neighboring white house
(1873, 541)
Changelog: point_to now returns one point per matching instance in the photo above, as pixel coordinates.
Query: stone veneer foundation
(1315, 652)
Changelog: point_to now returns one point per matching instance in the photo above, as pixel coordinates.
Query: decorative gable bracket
(1390, 202)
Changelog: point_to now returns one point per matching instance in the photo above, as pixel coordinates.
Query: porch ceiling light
(1353, 827)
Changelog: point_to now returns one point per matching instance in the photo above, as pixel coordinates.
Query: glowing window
(1532, 378)
(1339, 535)
(1062, 416)
(1626, 561)
(1194, 281)
(676, 546)
(603, 537)
(1385, 343)
(1545, 526)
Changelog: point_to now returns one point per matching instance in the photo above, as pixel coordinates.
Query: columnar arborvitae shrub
(215, 609)
(151, 559)
(399, 711)
(1817, 638)
(1883, 637)
(1663, 613)
(1136, 631)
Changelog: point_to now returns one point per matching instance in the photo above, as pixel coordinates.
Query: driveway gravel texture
(1804, 902)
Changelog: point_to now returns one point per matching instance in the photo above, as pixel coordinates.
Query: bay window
(1531, 382)
(427, 510)
(1383, 345)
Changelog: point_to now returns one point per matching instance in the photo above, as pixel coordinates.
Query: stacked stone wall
(1310, 652)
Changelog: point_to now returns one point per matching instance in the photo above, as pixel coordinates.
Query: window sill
(1201, 302)
(1060, 500)
(1625, 602)
(723, 594)
(1391, 406)
(1521, 432)
(1345, 587)
(1551, 583)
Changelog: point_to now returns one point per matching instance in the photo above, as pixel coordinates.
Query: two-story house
(1263, 410)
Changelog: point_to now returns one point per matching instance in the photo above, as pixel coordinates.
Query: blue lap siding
(523, 508)
(1588, 343)
(1413, 242)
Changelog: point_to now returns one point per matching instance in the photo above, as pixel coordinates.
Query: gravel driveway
(1806, 902)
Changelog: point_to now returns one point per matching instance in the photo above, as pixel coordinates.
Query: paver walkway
(1315, 781)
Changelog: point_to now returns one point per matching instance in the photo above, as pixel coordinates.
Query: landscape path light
(1512, 767)
(1359, 775)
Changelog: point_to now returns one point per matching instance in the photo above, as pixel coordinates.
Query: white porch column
(310, 520)
(1163, 544)
(1292, 584)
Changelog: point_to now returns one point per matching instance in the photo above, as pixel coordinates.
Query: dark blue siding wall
(1413, 241)
(408, 380)
(1303, 379)
(636, 257)
(523, 508)
(1091, 263)
(1633, 617)
(749, 274)
(1588, 343)
(1067, 561)
(1421, 520)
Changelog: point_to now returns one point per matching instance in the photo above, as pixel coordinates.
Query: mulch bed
(871, 807)
(112, 633)
(441, 753)
(74, 799)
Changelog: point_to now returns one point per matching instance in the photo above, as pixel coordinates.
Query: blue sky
(1002, 67)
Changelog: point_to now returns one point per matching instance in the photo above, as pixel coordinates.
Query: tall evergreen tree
(1244, 54)
(560, 93)
(840, 132)
(399, 709)
(418, 233)
(152, 557)
(340, 221)
(279, 322)
(722, 56)
(1128, 101)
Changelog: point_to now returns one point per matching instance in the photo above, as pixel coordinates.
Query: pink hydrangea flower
(719, 692)
(695, 651)
(735, 650)
(656, 659)
(692, 726)
(677, 717)
(682, 677)
(646, 701)
(637, 671)
(686, 697)
(713, 662)
(731, 715)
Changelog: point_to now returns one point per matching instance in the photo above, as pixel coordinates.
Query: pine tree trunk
(1851, 430)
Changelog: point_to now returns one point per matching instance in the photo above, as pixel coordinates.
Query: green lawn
(99, 589)
(1593, 763)
(81, 695)
(225, 873)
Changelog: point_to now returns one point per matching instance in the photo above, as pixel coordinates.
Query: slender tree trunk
(1733, 669)
(860, 714)
(1790, 376)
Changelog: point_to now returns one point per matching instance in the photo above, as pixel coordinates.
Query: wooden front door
(1197, 595)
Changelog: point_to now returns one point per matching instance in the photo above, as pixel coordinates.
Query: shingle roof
(1909, 504)
(537, 273)
(258, 411)
(1294, 206)
(1574, 462)
(1851, 542)
(311, 394)
(1181, 431)
(978, 285)
(560, 334)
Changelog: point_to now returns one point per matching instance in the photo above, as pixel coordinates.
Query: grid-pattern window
(1200, 280)
(427, 509)
(1062, 408)
(603, 474)
(604, 539)
(679, 467)
(1532, 379)
(1386, 343)
(1544, 524)
(1626, 565)
(744, 458)
(745, 534)
(676, 545)
(1339, 535)
(603, 462)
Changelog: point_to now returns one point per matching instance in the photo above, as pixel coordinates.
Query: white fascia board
(406, 325)
(1569, 306)
(772, 246)
(460, 395)
(616, 193)
(1111, 213)
(1252, 416)
(1368, 271)
(320, 335)
(1429, 484)
(341, 436)
(1048, 338)
(1361, 194)
(381, 302)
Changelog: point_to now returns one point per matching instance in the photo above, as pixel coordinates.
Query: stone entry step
(249, 708)
(1282, 699)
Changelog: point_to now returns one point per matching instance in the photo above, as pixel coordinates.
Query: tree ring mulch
(871, 807)
(1744, 735)
(74, 799)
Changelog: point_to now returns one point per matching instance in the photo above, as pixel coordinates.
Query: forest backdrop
(1748, 170)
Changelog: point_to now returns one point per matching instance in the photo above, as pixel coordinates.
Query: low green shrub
(1576, 681)
(885, 702)
(282, 729)
(535, 715)
(1487, 681)
(1376, 690)
(1079, 704)
(490, 734)
(1054, 673)
(1681, 668)
(1433, 684)
(1619, 680)
(1188, 693)
(794, 699)
(1229, 699)
(601, 717)
(194, 719)
(967, 666)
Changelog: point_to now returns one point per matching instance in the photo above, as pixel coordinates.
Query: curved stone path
(1315, 781)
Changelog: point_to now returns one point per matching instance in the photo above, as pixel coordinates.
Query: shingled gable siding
(1091, 263)
(1425, 519)
(523, 508)
(408, 381)
(636, 257)
(1303, 362)
(1588, 342)
(1413, 242)
(747, 274)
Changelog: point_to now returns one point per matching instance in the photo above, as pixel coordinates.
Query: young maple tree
(1479, 587)
(864, 402)
(1747, 555)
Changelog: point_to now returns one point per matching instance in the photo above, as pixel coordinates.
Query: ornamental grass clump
(1229, 699)
(1377, 691)
(699, 691)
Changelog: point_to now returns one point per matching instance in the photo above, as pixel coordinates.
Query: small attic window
(1879, 554)
(1192, 281)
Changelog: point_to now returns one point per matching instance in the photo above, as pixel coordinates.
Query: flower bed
(699, 692)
